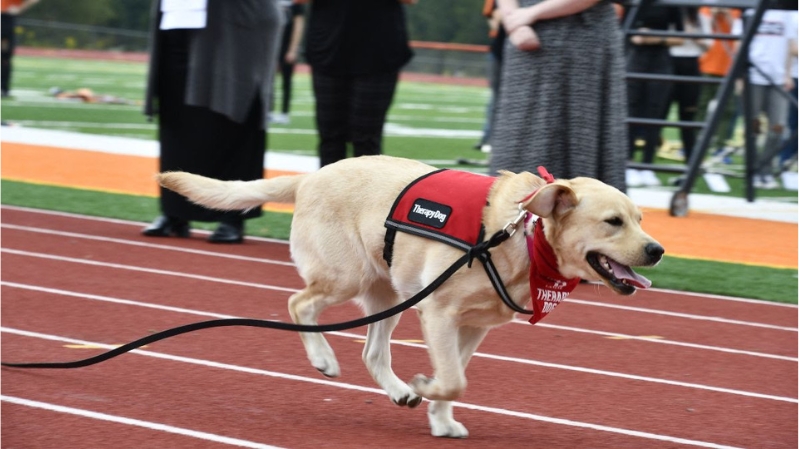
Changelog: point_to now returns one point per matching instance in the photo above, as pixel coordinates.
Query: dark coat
(223, 75)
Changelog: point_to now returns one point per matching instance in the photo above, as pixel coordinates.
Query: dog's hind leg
(377, 351)
(305, 307)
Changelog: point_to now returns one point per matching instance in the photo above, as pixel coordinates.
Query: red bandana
(547, 286)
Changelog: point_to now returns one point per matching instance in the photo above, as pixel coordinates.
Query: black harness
(447, 206)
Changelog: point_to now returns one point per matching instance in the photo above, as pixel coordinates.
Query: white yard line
(133, 422)
(416, 345)
(352, 387)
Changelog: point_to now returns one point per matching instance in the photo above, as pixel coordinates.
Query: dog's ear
(551, 199)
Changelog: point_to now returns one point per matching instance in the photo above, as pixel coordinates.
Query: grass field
(431, 122)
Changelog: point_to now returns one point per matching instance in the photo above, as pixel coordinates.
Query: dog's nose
(654, 251)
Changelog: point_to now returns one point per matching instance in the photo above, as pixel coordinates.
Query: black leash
(480, 251)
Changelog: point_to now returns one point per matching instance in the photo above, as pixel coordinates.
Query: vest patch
(429, 213)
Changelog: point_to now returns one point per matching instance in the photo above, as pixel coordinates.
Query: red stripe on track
(294, 414)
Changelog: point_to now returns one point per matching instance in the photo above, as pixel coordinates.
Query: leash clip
(512, 226)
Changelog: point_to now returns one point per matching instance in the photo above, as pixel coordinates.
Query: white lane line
(135, 422)
(424, 347)
(757, 302)
(274, 287)
(682, 315)
(342, 385)
(118, 221)
(277, 262)
(516, 321)
(147, 245)
(661, 341)
(148, 270)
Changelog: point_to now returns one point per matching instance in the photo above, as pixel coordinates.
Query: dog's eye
(615, 221)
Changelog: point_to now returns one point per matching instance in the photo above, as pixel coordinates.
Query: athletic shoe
(648, 178)
(790, 180)
(632, 178)
(766, 182)
(279, 119)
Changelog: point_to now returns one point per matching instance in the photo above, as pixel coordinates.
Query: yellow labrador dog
(337, 242)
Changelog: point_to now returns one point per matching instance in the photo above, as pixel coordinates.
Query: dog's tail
(231, 195)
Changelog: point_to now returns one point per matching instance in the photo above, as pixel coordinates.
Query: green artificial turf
(673, 273)
(435, 123)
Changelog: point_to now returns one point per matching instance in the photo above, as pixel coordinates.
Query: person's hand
(517, 18)
(524, 39)
(639, 40)
(291, 57)
(13, 10)
(788, 84)
(739, 86)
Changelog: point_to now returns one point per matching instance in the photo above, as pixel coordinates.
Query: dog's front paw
(409, 399)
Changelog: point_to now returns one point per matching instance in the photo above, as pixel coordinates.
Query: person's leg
(776, 108)
(287, 73)
(658, 97)
(371, 98)
(8, 42)
(757, 102)
(496, 76)
(332, 96)
(172, 69)
(687, 95)
(789, 150)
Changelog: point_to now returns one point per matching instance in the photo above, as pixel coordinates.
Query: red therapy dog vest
(447, 206)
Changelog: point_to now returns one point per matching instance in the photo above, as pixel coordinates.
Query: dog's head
(595, 232)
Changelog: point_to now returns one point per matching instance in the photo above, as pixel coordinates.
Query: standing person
(685, 60)
(10, 10)
(497, 34)
(294, 14)
(716, 63)
(789, 150)
(770, 59)
(650, 99)
(355, 49)
(562, 97)
(210, 77)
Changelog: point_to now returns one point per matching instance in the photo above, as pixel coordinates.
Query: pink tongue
(626, 273)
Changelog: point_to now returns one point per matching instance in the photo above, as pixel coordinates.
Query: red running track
(658, 370)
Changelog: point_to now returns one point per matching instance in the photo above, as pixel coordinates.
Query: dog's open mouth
(620, 277)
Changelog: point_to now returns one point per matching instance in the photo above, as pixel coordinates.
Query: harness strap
(481, 252)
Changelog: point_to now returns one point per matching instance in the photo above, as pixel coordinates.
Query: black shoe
(165, 226)
(228, 232)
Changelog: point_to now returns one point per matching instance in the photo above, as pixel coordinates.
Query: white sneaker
(648, 178)
(632, 178)
(790, 180)
(486, 148)
(766, 182)
(279, 119)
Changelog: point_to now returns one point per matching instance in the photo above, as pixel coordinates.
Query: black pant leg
(372, 97)
(8, 44)
(332, 96)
